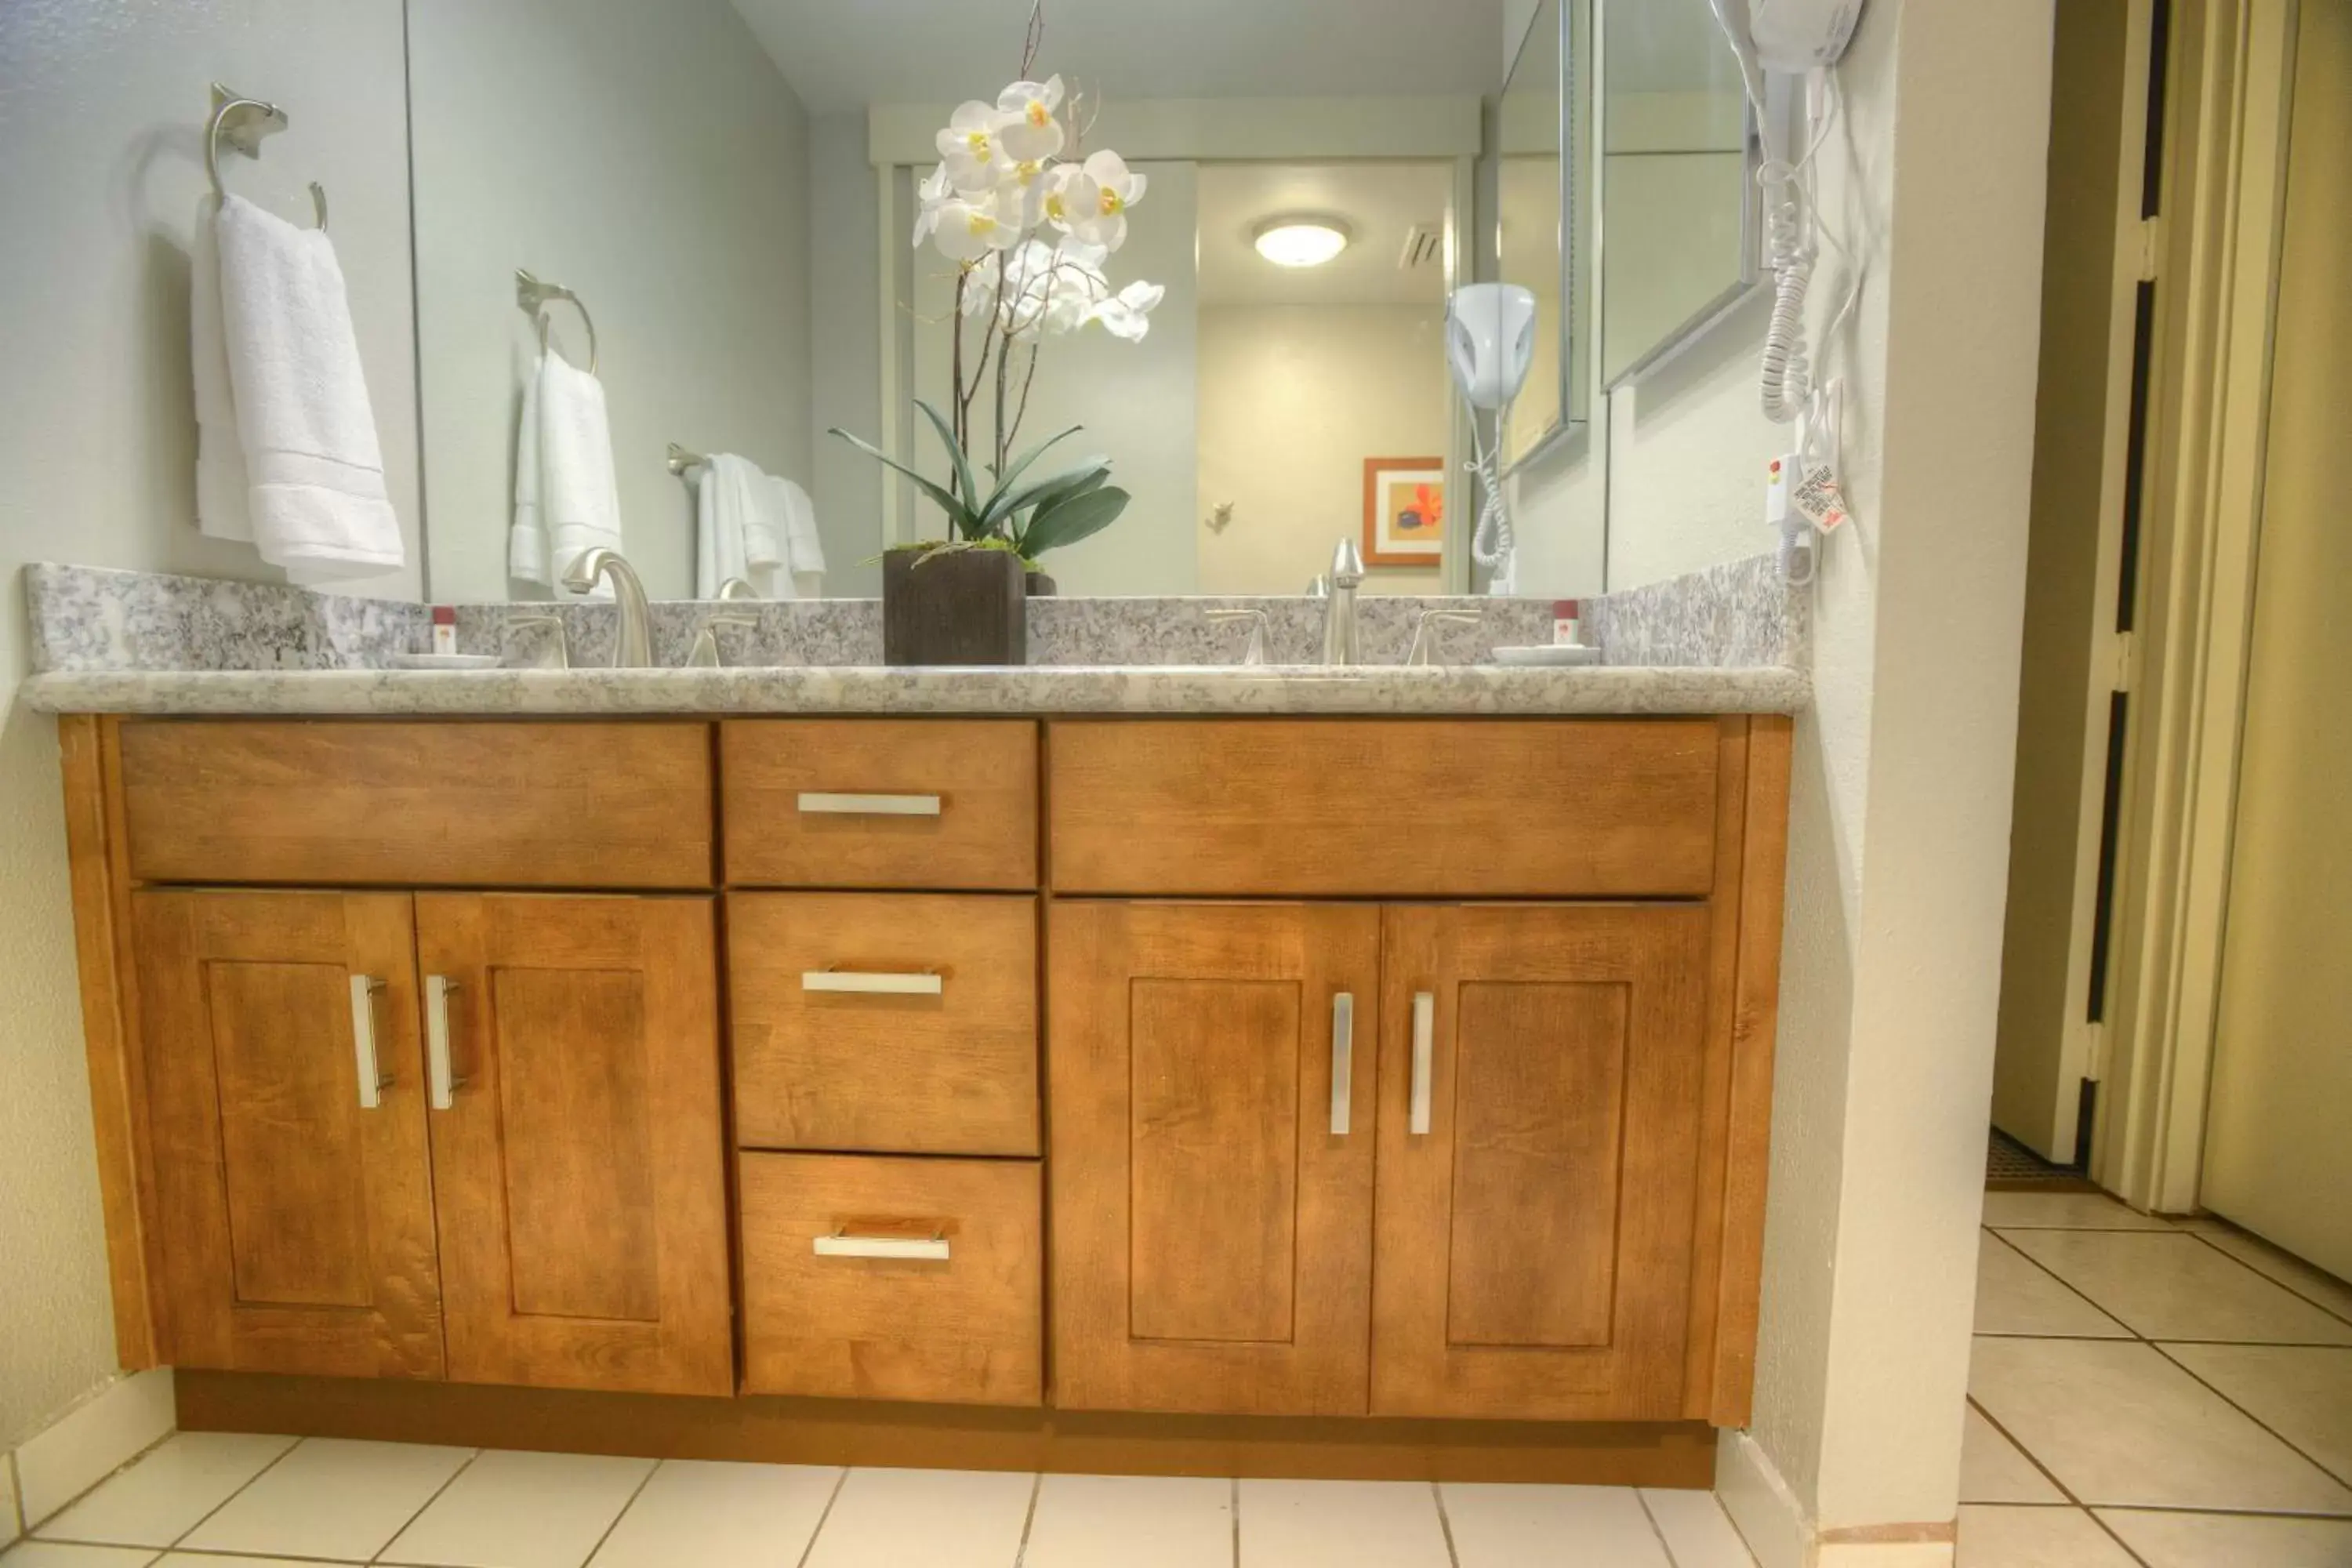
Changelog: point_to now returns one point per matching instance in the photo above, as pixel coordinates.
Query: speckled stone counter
(851, 689)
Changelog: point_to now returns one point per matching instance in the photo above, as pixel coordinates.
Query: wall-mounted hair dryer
(1490, 341)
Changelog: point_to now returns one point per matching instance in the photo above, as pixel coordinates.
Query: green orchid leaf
(1053, 488)
(955, 456)
(1067, 521)
(998, 503)
(960, 516)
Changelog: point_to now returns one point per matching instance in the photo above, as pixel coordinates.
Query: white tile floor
(210, 1501)
(2151, 1394)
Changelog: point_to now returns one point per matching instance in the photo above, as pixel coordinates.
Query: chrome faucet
(1341, 643)
(633, 649)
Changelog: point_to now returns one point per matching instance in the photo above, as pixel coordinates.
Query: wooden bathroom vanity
(1261, 1096)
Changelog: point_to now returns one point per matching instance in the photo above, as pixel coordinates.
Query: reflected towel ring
(244, 121)
(533, 293)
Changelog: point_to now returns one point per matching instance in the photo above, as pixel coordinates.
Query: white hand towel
(222, 510)
(738, 530)
(578, 496)
(529, 558)
(805, 552)
(315, 490)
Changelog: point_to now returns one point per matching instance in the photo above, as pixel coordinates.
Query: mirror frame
(1569, 421)
(1754, 276)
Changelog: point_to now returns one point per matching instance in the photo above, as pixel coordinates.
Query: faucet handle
(1257, 651)
(706, 639)
(562, 641)
(1424, 642)
(1347, 565)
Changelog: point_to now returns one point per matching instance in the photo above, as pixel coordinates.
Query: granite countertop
(851, 689)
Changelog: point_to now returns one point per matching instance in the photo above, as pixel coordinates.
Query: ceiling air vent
(1423, 246)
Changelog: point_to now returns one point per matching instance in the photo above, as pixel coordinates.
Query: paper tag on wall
(1819, 498)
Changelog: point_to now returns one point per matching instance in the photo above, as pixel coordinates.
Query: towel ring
(244, 121)
(533, 293)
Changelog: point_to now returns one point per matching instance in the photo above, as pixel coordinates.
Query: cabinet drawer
(871, 1277)
(897, 1022)
(1479, 807)
(867, 803)
(449, 804)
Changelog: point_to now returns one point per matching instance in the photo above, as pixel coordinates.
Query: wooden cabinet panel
(579, 1171)
(1211, 1231)
(297, 1223)
(948, 1073)
(1533, 1243)
(961, 811)
(1355, 808)
(456, 804)
(965, 1326)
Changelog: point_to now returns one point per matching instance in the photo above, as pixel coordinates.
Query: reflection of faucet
(737, 589)
(633, 649)
(1341, 643)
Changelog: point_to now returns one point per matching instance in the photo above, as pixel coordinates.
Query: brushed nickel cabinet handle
(873, 982)
(372, 1079)
(819, 803)
(1343, 1061)
(441, 1084)
(921, 1249)
(1424, 1033)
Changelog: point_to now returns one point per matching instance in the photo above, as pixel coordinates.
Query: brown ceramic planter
(1041, 586)
(954, 607)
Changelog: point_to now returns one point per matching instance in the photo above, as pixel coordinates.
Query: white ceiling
(1378, 203)
(844, 54)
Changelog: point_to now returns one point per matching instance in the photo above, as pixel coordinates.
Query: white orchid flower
(929, 195)
(1071, 196)
(1127, 314)
(969, 148)
(1023, 193)
(1117, 188)
(1029, 130)
(969, 229)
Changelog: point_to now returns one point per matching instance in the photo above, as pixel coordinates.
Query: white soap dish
(445, 660)
(1551, 655)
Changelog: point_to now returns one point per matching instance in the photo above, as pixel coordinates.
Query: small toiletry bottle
(445, 628)
(1563, 624)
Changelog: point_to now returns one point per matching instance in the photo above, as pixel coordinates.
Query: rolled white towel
(579, 498)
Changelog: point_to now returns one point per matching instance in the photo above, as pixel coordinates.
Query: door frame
(2209, 387)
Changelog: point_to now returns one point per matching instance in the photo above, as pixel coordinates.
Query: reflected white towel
(316, 501)
(567, 501)
(222, 510)
(804, 553)
(739, 528)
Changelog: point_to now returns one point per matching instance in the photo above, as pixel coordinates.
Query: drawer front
(1479, 807)
(872, 1278)
(894, 1023)
(867, 803)
(447, 805)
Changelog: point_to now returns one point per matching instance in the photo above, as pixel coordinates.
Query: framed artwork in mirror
(1404, 512)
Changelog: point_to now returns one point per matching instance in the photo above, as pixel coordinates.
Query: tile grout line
(635, 1493)
(2218, 1392)
(2070, 1286)
(451, 1480)
(823, 1514)
(275, 1460)
(77, 1498)
(1666, 1547)
(1029, 1519)
(2282, 1284)
(1444, 1525)
(15, 1498)
(1236, 1495)
(2175, 1339)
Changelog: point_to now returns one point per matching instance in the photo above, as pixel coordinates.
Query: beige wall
(1899, 819)
(1293, 399)
(652, 157)
(101, 109)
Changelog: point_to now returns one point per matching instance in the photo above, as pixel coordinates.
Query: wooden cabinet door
(579, 1163)
(1534, 1242)
(1211, 1228)
(296, 1218)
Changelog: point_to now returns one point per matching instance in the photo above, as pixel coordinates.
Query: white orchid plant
(1029, 225)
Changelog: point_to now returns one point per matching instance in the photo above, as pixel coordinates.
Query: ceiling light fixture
(1299, 241)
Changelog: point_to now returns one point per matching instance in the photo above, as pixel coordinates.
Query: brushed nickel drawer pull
(930, 983)
(916, 1248)
(819, 803)
(441, 1084)
(371, 1078)
(1424, 1034)
(1343, 1061)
